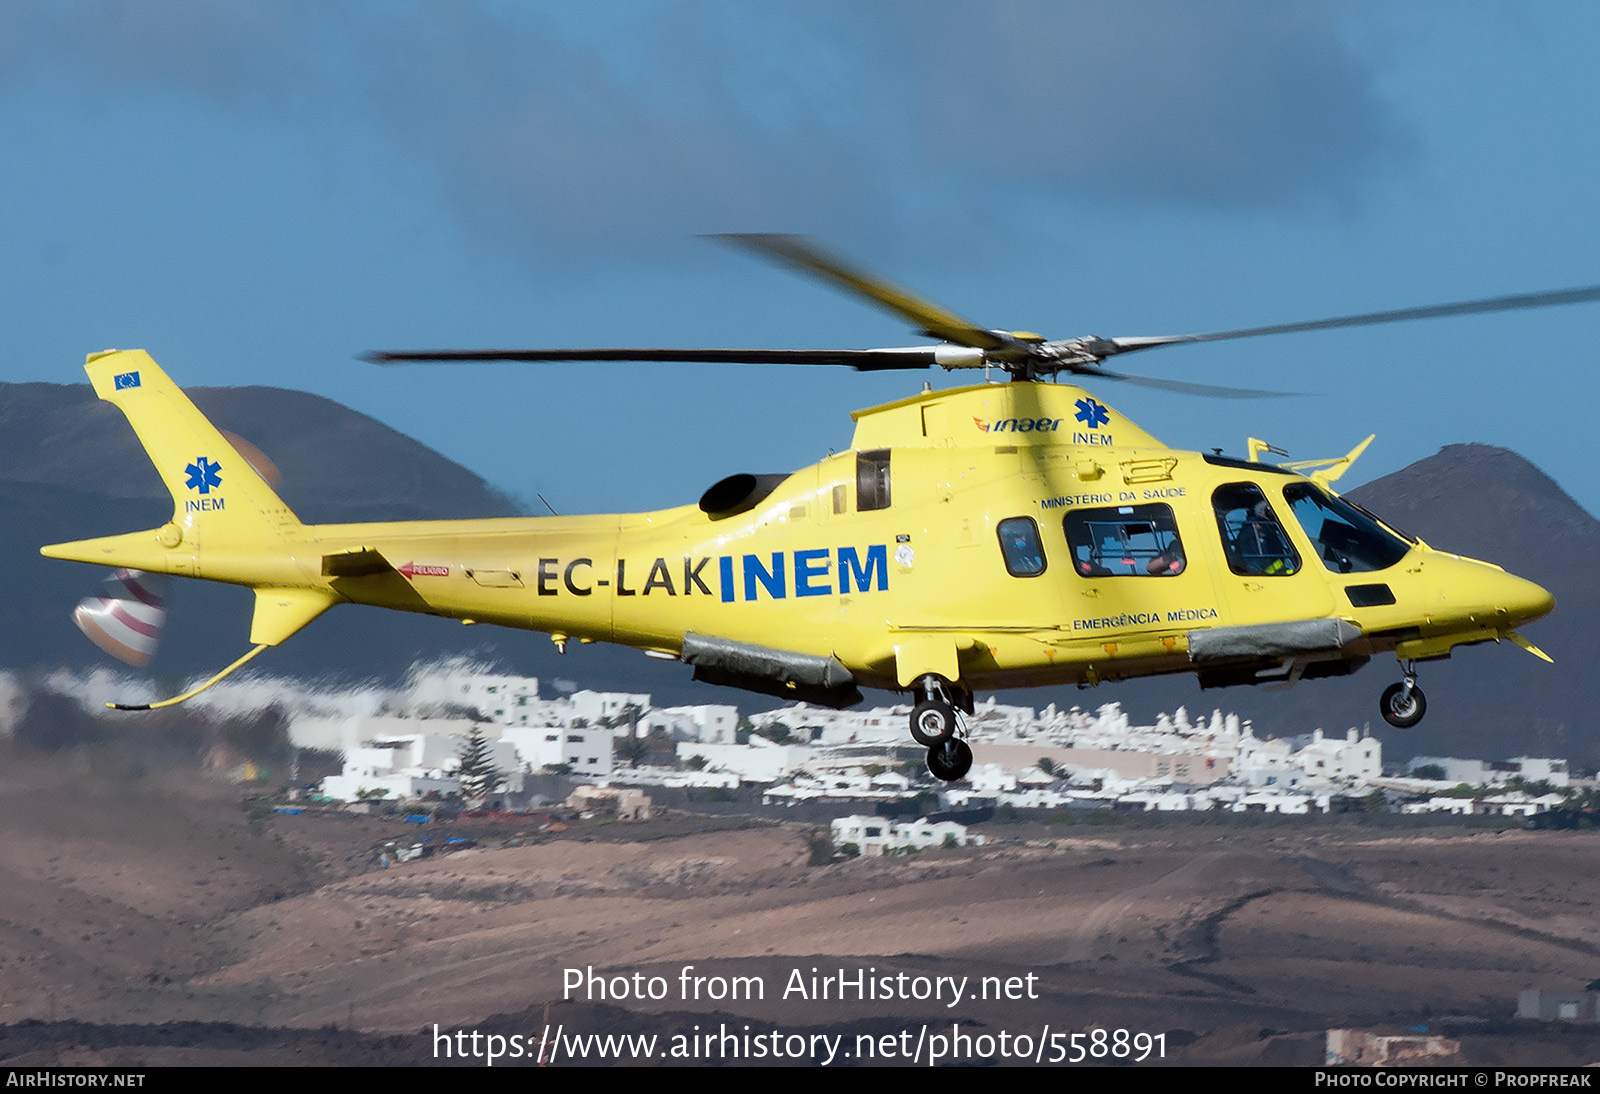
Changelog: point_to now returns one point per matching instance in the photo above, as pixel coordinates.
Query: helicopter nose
(1522, 600)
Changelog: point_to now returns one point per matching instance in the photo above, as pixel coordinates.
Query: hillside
(147, 920)
(60, 435)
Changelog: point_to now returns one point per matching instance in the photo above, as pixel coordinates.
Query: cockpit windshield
(1347, 539)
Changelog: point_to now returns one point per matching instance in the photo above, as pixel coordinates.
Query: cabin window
(1348, 540)
(1125, 541)
(1252, 537)
(1021, 547)
(872, 480)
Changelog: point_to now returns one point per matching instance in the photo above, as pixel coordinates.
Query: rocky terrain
(155, 919)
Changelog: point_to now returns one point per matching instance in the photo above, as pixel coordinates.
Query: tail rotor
(126, 618)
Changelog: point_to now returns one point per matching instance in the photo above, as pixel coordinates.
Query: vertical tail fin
(217, 495)
(227, 524)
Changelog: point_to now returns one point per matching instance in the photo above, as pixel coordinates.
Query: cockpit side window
(1125, 541)
(1252, 537)
(1021, 547)
(1348, 540)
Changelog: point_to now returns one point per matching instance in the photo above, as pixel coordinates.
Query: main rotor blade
(1185, 387)
(805, 256)
(862, 360)
(1549, 299)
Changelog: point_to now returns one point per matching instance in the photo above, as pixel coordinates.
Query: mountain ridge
(61, 433)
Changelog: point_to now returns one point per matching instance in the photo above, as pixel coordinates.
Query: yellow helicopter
(990, 536)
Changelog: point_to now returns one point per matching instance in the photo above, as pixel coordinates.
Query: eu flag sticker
(124, 379)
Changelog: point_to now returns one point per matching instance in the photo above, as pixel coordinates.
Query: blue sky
(256, 193)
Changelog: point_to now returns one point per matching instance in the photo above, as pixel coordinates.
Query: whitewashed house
(878, 835)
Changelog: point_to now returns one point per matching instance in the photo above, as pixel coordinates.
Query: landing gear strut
(1403, 704)
(933, 725)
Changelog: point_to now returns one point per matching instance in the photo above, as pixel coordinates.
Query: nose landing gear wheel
(1403, 705)
(950, 760)
(932, 722)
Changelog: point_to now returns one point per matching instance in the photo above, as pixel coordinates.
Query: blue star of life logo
(1092, 414)
(204, 474)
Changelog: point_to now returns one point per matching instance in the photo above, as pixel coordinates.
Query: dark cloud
(1219, 104)
(234, 53)
(550, 142)
(531, 138)
(737, 116)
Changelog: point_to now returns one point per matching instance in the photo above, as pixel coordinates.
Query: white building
(760, 761)
(710, 723)
(1314, 761)
(1513, 803)
(823, 725)
(999, 723)
(877, 836)
(387, 772)
(585, 750)
(1353, 758)
(597, 706)
(413, 765)
(1497, 772)
(1536, 769)
(1458, 806)
(464, 685)
(344, 732)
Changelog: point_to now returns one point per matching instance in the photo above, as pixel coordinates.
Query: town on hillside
(458, 733)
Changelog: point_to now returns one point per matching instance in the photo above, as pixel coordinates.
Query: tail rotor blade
(126, 618)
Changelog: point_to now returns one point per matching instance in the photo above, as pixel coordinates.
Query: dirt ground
(156, 920)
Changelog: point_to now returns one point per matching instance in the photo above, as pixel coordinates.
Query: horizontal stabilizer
(282, 612)
(356, 562)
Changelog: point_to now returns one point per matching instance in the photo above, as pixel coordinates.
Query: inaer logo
(1019, 425)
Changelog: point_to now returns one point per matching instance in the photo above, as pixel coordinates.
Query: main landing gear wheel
(950, 760)
(1403, 705)
(933, 722)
